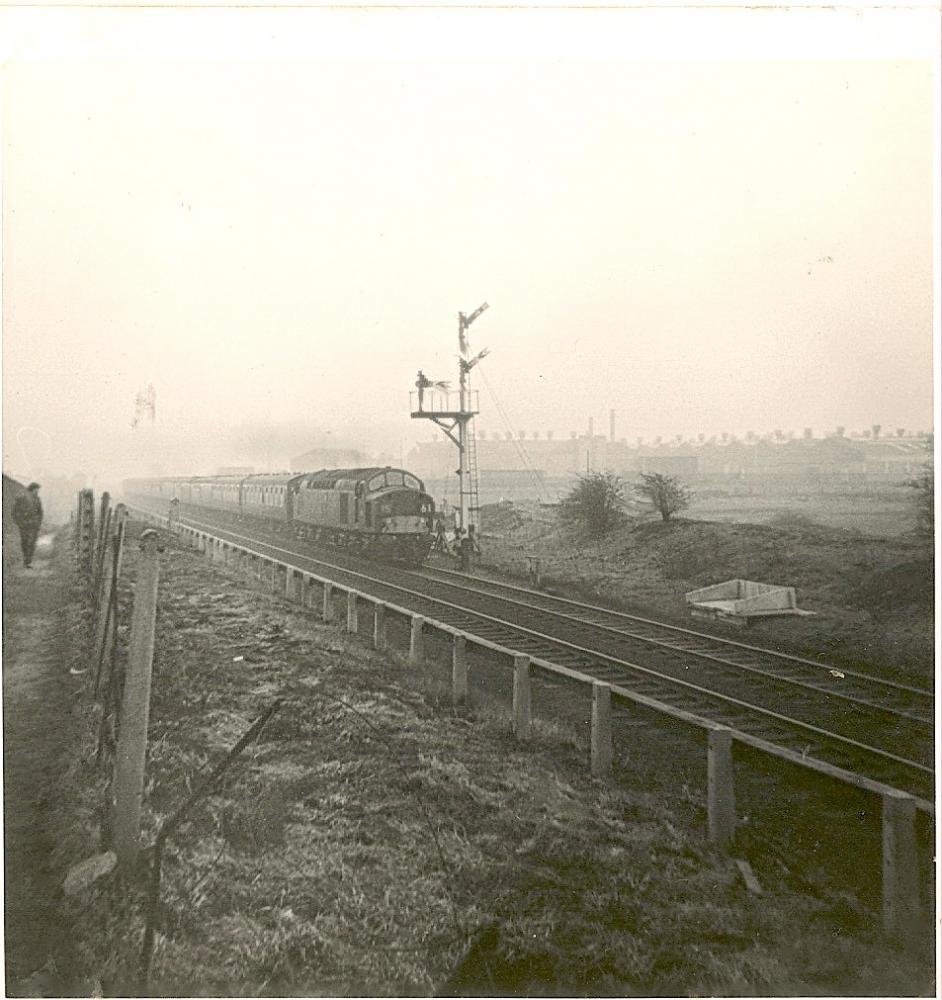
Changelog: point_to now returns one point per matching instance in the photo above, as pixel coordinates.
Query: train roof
(328, 478)
(201, 479)
(270, 478)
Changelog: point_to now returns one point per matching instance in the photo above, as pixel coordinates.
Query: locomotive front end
(402, 515)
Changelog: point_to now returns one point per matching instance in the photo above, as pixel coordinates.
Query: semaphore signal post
(454, 412)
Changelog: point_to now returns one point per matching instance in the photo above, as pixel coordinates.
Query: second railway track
(878, 729)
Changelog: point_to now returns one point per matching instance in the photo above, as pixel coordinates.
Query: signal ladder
(471, 489)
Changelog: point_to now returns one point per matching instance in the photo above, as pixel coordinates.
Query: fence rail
(900, 872)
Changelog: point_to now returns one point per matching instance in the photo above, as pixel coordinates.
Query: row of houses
(811, 458)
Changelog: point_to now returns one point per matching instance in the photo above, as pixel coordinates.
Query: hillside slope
(872, 597)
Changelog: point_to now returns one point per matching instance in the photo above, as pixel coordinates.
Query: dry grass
(872, 596)
(375, 843)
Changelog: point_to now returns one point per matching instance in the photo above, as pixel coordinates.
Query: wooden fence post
(135, 708)
(77, 526)
(417, 640)
(353, 620)
(721, 793)
(459, 670)
(173, 518)
(521, 704)
(328, 606)
(109, 596)
(120, 529)
(900, 869)
(87, 533)
(379, 626)
(102, 538)
(103, 613)
(601, 730)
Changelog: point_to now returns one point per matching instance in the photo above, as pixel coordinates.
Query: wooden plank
(601, 730)
(135, 708)
(459, 670)
(521, 697)
(749, 877)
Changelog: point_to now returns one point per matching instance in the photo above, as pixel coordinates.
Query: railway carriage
(216, 493)
(268, 497)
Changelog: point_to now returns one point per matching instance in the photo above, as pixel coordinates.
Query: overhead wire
(519, 447)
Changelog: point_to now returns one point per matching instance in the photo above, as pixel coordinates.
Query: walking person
(28, 516)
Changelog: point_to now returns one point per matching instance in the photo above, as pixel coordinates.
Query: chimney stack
(611, 425)
(876, 431)
(591, 428)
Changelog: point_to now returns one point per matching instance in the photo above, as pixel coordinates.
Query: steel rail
(720, 640)
(581, 651)
(785, 753)
(429, 574)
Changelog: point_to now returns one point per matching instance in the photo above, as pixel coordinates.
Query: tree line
(596, 504)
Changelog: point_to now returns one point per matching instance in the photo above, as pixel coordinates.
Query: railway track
(870, 727)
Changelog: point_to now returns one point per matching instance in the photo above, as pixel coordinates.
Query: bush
(667, 494)
(595, 504)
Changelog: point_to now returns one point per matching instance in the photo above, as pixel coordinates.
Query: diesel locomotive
(382, 513)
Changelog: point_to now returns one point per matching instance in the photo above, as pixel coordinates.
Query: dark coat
(27, 511)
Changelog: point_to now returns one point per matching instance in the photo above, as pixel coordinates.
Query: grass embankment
(872, 597)
(374, 842)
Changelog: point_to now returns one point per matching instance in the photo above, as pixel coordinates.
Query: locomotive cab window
(412, 482)
(394, 479)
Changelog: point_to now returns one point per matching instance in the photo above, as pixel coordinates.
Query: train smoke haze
(276, 225)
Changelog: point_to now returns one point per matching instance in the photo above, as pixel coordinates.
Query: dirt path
(36, 702)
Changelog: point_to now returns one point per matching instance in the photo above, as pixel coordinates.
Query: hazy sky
(275, 216)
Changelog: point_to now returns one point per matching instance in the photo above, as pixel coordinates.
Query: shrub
(666, 493)
(595, 504)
